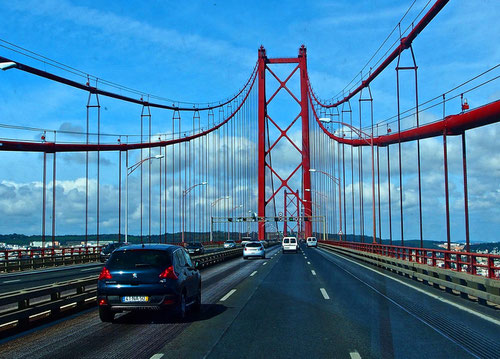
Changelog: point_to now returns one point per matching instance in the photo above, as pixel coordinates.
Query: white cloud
(121, 28)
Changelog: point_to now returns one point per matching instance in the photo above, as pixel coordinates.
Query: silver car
(254, 249)
(229, 244)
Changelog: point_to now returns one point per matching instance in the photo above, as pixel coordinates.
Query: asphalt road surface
(313, 304)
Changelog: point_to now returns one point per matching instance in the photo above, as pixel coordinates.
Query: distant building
(48, 244)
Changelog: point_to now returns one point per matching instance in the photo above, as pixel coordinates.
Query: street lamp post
(184, 193)
(363, 135)
(335, 180)
(229, 213)
(212, 205)
(248, 223)
(322, 217)
(131, 169)
(324, 197)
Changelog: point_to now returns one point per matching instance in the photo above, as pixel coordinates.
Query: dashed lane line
(313, 272)
(88, 269)
(12, 281)
(157, 356)
(253, 273)
(309, 263)
(355, 355)
(264, 263)
(228, 295)
(325, 294)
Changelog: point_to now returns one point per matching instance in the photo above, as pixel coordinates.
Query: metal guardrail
(25, 263)
(20, 307)
(487, 265)
(480, 287)
(7, 254)
(209, 259)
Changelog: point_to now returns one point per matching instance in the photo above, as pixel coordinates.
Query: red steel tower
(300, 63)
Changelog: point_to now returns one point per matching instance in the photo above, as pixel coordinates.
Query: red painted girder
(283, 60)
(453, 125)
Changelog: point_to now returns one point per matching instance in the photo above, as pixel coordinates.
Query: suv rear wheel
(197, 302)
(106, 315)
(180, 310)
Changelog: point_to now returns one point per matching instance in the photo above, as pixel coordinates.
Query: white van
(290, 244)
(312, 242)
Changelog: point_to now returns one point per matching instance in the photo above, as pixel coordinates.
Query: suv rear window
(253, 245)
(292, 240)
(133, 259)
(110, 247)
(193, 245)
(286, 240)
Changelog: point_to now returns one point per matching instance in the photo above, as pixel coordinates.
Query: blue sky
(205, 51)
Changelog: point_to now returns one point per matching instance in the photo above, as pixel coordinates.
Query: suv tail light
(169, 273)
(104, 274)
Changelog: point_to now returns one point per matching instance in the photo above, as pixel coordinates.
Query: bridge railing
(8, 254)
(23, 259)
(486, 265)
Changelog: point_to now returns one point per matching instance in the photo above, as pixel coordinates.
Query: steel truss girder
(303, 150)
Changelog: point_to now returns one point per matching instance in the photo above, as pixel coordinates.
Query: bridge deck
(279, 310)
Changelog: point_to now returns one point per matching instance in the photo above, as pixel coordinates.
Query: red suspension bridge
(271, 161)
(226, 147)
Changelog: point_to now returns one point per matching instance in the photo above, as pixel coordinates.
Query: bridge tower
(303, 197)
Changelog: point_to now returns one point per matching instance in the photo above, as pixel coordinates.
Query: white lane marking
(313, 272)
(325, 294)
(264, 263)
(11, 281)
(355, 355)
(87, 269)
(46, 270)
(157, 356)
(465, 309)
(253, 273)
(309, 263)
(305, 257)
(228, 295)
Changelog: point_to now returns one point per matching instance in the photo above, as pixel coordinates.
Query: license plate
(135, 298)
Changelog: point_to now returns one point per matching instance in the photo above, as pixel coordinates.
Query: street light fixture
(131, 169)
(363, 135)
(212, 205)
(318, 193)
(184, 193)
(7, 65)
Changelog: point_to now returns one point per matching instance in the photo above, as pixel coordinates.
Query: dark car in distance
(108, 249)
(148, 277)
(195, 248)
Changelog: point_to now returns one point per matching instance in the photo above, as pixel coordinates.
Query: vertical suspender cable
(119, 196)
(389, 192)
(54, 188)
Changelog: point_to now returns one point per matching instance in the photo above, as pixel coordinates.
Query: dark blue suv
(148, 277)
